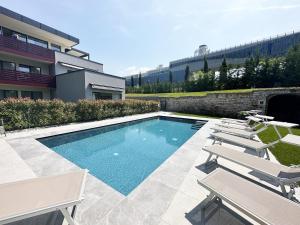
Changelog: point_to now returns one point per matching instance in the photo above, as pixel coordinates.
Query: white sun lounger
(235, 126)
(239, 132)
(253, 201)
(257, 146)
(291, 139)
(27, 198)
(281, 175)
(265, 118)
(286, 125)
(245, 123)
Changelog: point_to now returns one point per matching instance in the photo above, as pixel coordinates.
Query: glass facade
(8, 94)
(102, 96)
(55, 47)
(24, 94)
(23, 37)
(7, 65)
(32, 94)
(37, 42)
(24, 68)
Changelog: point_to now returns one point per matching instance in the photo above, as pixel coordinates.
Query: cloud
(177, 27)
(255, 8)
(124, 30)
(131, 70)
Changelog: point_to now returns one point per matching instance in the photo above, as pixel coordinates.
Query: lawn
(188, 94)
(286, 154)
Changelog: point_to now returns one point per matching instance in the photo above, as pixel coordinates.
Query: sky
(129, 36)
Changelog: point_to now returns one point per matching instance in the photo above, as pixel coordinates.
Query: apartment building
(40, 62)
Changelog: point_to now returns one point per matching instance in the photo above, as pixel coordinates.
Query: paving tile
(169, 196)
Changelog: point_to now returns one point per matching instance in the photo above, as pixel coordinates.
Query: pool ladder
(198, 124)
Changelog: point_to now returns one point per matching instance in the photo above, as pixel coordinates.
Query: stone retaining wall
(225, 104)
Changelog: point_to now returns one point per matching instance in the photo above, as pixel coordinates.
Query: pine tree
(132, 81)
(170, 76)
(140, 80)
(205, 66)
(292, 67)
(187, 73)
(249, 77)
(223, 75)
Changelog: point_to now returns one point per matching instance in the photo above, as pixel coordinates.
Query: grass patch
(286, 154)
(195, 115)
(191, 94)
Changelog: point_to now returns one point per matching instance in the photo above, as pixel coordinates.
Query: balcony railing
(28, 79)
(12, 45)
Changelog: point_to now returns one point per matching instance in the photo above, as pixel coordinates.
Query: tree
(248, 79)
(170, 76)
(140, 80)
(292, 67)
(223, 74)
(132, 81)
(186, 73)
(205, 66)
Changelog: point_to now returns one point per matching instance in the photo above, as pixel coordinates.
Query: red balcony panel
(14, 46)
(28, 79)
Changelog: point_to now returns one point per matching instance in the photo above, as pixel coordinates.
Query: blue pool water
(123, 155)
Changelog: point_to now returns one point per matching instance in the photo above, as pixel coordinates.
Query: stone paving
(169, 196)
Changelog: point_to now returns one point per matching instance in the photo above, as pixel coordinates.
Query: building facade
(272, 47)
(40, 62)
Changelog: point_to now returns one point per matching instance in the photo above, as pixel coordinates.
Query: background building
(40, 62)
(272, 47)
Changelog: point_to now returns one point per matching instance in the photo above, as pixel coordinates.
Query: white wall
(76, 61)
(105, 80)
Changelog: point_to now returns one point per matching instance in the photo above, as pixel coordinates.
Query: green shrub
(25, 113)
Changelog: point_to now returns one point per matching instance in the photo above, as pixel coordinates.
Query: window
(36, 70)
(55, 47)
(29, 69)
(8, 65)
(19, 36)
(7, 32)
(26, 94)
(37, 95)
(8, 94)
(37, 42)
(2, 94)
(24, 68)
(103, 96)
(32, 94)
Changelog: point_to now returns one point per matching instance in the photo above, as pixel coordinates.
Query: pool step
(198, 124)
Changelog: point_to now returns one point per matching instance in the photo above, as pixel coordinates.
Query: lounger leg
(209, 158)
(283, 189)
(73, 211)
(67, 216)
(205, 203)
(267, 154)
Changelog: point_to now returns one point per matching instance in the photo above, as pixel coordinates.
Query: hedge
(25, 113)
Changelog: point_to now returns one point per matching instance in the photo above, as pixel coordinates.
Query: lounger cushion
(291, 139)
(236, 132)
(239, 141)
(263, 166)
(34, 195)
(260, 204)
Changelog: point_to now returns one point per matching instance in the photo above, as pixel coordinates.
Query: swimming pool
(123, 155)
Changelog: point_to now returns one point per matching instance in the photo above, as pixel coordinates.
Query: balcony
(28, 79)
(13, 46)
